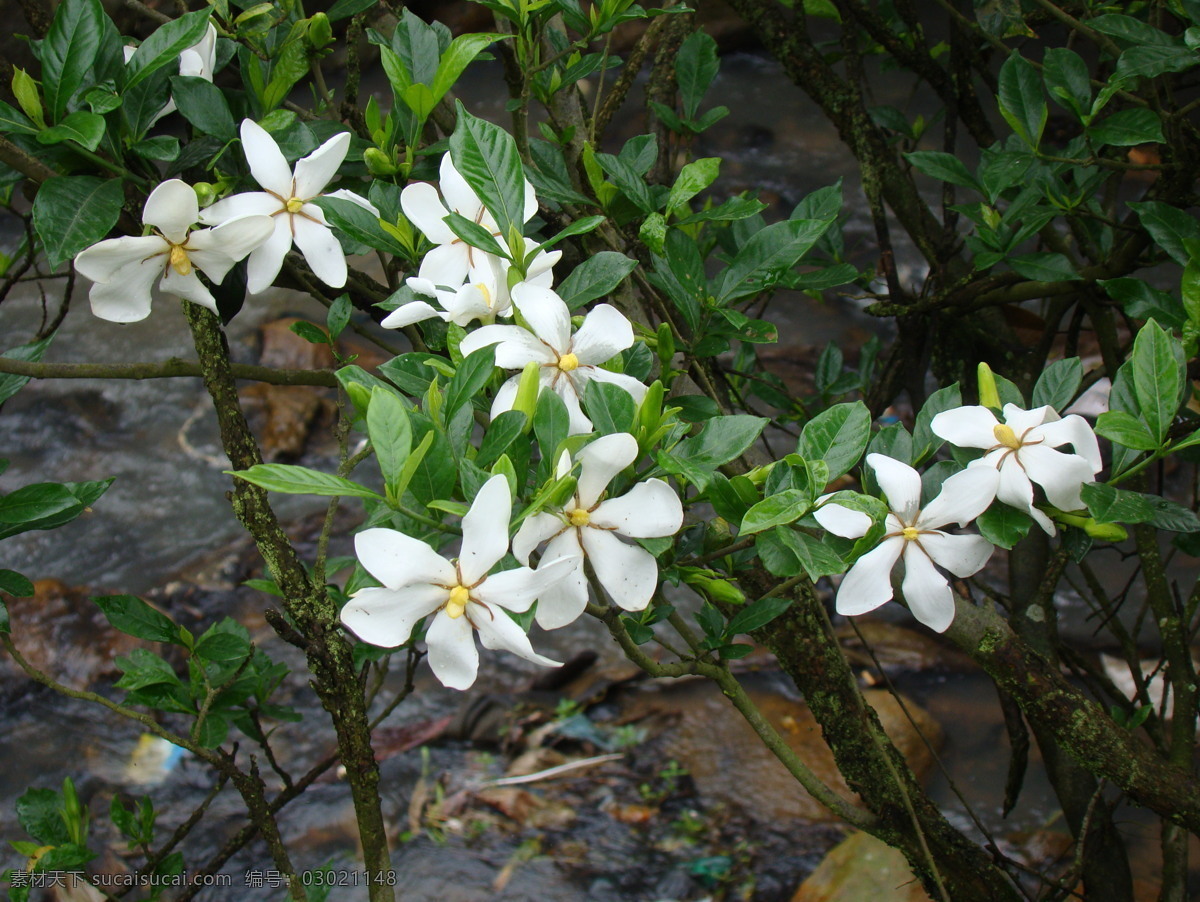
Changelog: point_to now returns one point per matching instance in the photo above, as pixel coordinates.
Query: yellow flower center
(294, 204)
(487, 295)
(1005, 436)
(568, 362)
(179, 260)
(459, 596)
(579, 517)
(910, 533)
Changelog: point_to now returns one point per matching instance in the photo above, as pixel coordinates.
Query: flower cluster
(262, 225)
(1018, 453)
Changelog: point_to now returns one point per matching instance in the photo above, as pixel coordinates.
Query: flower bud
(379, 163)
(206, 193)
(527, 392)
(988, 395)
(720, 591)
(320, 32)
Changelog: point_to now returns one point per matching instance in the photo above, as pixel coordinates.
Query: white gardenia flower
(124, 269)
(197, 61)
(916, 534)
(417, 582)
(588, 527)
(454, 262)
(568, 362)
(286, 197)
(1022, 450)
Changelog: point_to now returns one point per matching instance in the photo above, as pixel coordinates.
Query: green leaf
(693, 178)
(68, 51)
(924, 441)
(787, 552)
(1112, 505)
(631, 182)
(223, 647)
(1125, 429)
(1003, 525)
(595, 277)
(15, 584)
(1068, 81)
(1143, 301)
(1169, 226)
(1126, 128)
(838, 436)
(1058, 384)
(757, 614)
(164, 148)
(40, 813)
(769, 251)
(75, 211)
(696, 66)
(474, 234)
(359, 224)
(550, 423)
(610, 408)
(203, 104)
(501, 433)
(1022, 101)
(84, 128)
(391, 436)
(13, 121)
(136, 618)
(415, 461)
(164, 46)
(294, 480)
(944, 167)
(720, 441)
(486, 156)
(472, 375)
(32, 503)
(1150, 61)
(1158, 378)
(461, 52)
(11, 384)
(653, 232)
(344, 9)
(1044, 266)
(731, 210)
(780, 509)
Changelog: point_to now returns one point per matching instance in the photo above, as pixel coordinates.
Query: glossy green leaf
(359, 224)
(693, 178)
(1112, 505)
(1158, 378)
(1125, 429)
(769, 251)
(461, 52)
(1067, 80)
(757, 614)
(391, 436)
(1022, 100)
(163, 47)
(1058, 384)
(487, 158)
(15, 584)
(472, 375)
(75, 211)
(1044, 266)
(1003, 525)
(84, 128)
(68, 51)
(294, 480)
(837, 436)
(944, 167)
(1126, 128)
(696, 66)
(1169, 226)
(596, 277)
(203, 104)
(133, 616)
(779, 509)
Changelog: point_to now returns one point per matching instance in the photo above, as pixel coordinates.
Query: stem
(167, 369)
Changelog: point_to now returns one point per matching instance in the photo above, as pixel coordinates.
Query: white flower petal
(843, 521)
(966, 427)
(102, 262)
(126, 299)
(900, 483)
(506, 396)
(452, 653)
(249, 203)
(188, 287)
(172, 208)
(407, 314)
(399, 560)
(267, 162)
(214, 251)
(515, 346)
(579, 424)
(565, 600)
(1061, 475)
(535, 530)
(600, 462)
(605, 333)
(649, 510)
(927, 592)
(485, 530)
(425, 210)
(500, 632)
(343, 194)
(1074, 430)
(517, 589)
(531, 202)
(461, 198)
(628, 573)
(1014, 487)
(961, 555)
(546, 314)
(317, 169)
(466, 304)
(446, 264)
(636, 389)
(385, 617)
(964, 496)
(868, 584)
(321, 251)
(267, 259)
(1022, 420)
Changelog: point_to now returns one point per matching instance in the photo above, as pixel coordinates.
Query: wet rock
(60, 632)
(729, 764)
(898, 649)
(862, 869)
